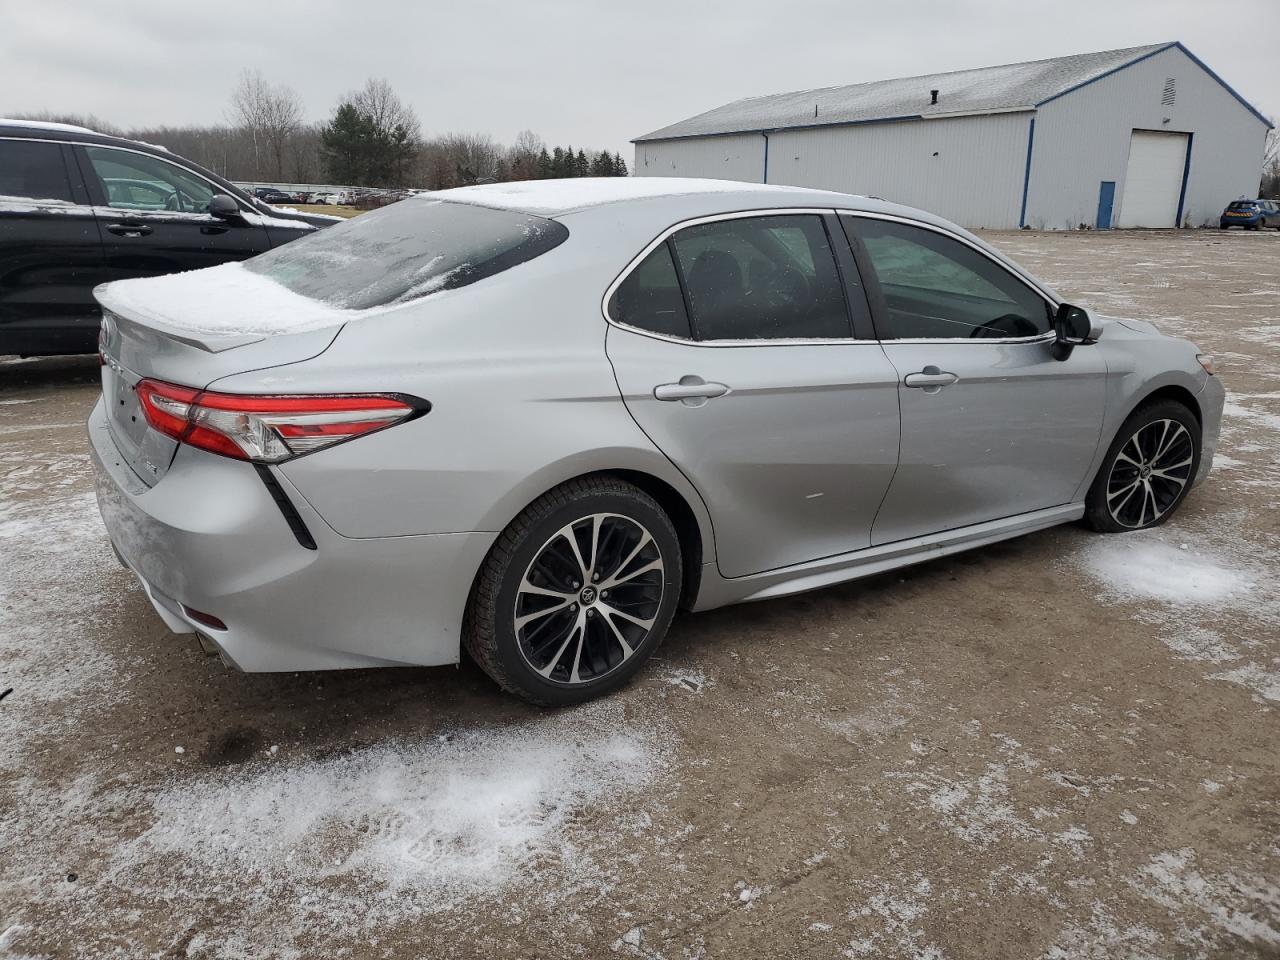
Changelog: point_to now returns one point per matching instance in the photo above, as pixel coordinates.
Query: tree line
(372, 138)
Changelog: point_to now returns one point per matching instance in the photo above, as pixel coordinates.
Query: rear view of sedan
(533, 420)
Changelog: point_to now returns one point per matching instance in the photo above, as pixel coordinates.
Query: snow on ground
(354, 843)
(1190, 575)
(430, 822)
(58, 579)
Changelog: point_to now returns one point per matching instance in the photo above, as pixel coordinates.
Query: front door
(734, 352)
(992, 425)
(153, 216)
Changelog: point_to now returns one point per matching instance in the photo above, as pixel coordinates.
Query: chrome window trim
(217, 188)
(1016, 272)
(689, 341)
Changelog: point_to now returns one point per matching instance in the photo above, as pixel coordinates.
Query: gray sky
(590, 74)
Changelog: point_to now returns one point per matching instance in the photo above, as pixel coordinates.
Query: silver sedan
(533, 420)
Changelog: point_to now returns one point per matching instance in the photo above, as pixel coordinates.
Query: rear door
(50, 254)
(992, 424)
(734, 351)
(154, 219)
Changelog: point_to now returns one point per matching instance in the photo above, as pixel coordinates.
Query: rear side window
(33, 170)
(762, 278)
(650, 297)
(407, 250)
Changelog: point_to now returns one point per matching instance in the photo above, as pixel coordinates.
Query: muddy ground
(1061, 746)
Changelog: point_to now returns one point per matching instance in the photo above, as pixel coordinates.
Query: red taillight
(266, 429)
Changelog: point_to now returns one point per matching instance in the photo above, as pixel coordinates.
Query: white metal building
(1141, 137)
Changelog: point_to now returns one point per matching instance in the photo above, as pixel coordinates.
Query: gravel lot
(1060, 746)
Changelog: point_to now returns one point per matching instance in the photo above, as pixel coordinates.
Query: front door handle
(930, 378)
(129, 229)
(690, 388)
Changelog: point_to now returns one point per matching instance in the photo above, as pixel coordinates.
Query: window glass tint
(135, 181)
(407, 250)
(938, 287)
(759, 278)
(33, 170)
(650, 297)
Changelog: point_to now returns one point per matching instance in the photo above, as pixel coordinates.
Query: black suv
(78, 208)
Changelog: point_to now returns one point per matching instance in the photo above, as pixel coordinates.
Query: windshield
(1242, 205)
(405, 251)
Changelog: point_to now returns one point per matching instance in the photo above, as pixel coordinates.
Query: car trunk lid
(139, 343)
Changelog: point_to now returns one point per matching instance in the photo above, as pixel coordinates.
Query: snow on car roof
(576, 193)
(45, 125)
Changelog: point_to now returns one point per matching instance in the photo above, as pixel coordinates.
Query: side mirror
(1074, 327)
(224, 207)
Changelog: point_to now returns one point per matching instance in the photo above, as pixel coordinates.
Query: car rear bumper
(1226, 222)
(209, 537)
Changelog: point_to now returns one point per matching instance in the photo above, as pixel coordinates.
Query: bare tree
(271, 114)
(377, 101)
(1270, 186)
(524, 153)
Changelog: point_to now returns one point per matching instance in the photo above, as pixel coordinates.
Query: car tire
(1155, 456)
(536, 621)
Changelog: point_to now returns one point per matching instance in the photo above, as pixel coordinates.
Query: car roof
(566, 195)
(672, 198)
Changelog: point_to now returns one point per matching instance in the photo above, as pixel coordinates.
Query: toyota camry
(533, 420)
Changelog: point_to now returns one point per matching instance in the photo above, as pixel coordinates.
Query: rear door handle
(129, 229)
(931, 379)
(690, 387)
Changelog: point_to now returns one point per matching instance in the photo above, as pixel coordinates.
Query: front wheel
(1147, 471)
(576, 593)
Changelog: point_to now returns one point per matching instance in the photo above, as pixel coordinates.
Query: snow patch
(1143, 566)
(562, 196)
(436, 821)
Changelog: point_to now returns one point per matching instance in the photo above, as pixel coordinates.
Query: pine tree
(581, 167)
(557, 163)
(620, 166)
(544, 164)
(602, 165)
(349, 145)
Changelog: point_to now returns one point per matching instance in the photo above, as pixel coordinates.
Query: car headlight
(1205, 361)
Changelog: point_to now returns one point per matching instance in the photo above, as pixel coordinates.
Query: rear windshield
(405, 251)
(1242, 205)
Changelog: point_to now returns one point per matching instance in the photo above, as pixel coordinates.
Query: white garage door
(1153, 179)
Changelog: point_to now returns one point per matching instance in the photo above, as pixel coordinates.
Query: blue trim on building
(1186, 173)
(1168, 46)
(1243, 102)
(1026, 176)
(1103, 76)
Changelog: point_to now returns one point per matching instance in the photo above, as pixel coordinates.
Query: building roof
(1010, 87)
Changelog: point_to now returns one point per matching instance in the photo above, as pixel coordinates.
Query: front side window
(761, 278)
(136, 181)
(33, 170)
(939, 288)
(405, 251)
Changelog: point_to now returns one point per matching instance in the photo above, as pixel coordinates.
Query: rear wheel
(1147, 471)
(576, 594)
